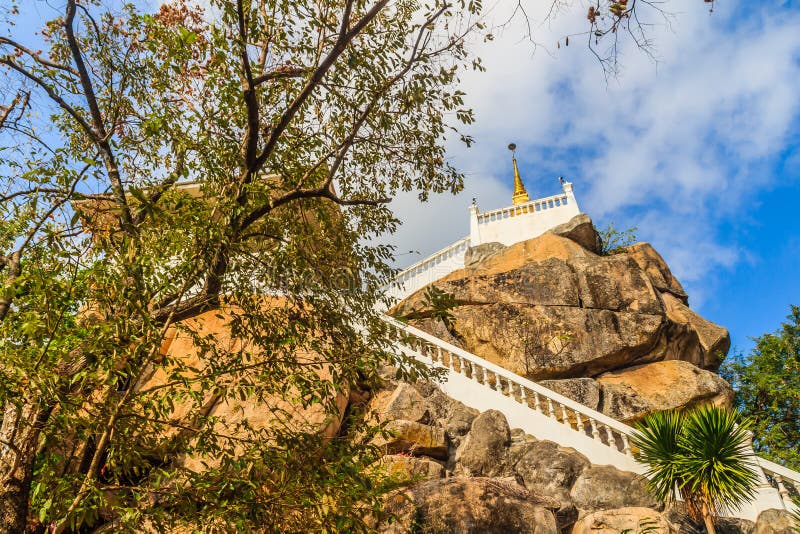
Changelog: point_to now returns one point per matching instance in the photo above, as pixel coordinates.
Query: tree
(613, 240)
(229, 166)
(295, 122)
(767, 387)
(702, 456)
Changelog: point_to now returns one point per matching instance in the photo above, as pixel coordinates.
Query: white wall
(519, 223)
(507, 226)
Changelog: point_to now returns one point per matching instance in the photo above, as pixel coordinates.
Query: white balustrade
(541, 204)
(779, 477)
(483, 385)
(428, 270)
(495, 380)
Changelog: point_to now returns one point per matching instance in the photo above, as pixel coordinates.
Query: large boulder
(656, 269)
(411, 467)
(583, 390)
(252, 415)
(404, 402)
(550, 308)
(414, 438)
(630, 394)
(776, 522)
(470, 506)
(715, 340)
(631, 519)
(484, 451)
(734, 525)
(545, 468)
(567, 342)
(581, 230)
(602, 487)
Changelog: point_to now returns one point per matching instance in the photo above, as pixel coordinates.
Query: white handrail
(778, 473)
(588, 413)
(430, 259)
(773, 468)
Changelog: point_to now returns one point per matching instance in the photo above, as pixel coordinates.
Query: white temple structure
(523, 220)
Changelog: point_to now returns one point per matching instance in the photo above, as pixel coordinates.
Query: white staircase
(547, 415)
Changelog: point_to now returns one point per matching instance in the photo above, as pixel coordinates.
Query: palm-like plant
(702, 456)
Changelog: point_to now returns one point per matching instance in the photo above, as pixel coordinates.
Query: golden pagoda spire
(520, 196)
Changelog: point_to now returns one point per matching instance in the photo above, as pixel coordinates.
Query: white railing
(428, 270)
(546, 414)
(574, 417)
(540, 204)
(779, 477)
(432, 260)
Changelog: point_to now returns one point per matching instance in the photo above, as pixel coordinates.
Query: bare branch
(52, 94)
(280, 73)
(36, 57)
(316, 78)
(97, 120)
(5, 111)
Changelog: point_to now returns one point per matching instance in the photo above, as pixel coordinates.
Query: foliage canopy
(767, 388)
(229, 166)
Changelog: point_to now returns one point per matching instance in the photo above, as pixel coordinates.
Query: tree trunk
(19, 437)
(708, 519)
(14, 500)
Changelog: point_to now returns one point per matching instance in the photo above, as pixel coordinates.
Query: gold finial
(520, 196)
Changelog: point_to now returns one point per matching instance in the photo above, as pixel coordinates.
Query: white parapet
(507, 226)
(524, 221)
(547, 415)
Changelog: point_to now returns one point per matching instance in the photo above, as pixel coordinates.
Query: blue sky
(700, 149)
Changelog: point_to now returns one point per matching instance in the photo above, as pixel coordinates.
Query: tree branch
(345, 37)
(251, 134)
(97, 120)
(36, 57)
(280, 73)
(53, 96)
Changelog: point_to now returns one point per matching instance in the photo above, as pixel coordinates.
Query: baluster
(784, 493)
(595, 432)
(609, 437)
(466, 368)
(522, 397)
(489, 382)
(536, 404)
(578, 421)
(499, 382)
(626, 446)
(477, 374)
(437, 357)
(550, 408)
(564, 416)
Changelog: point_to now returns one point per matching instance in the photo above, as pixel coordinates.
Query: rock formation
(489, 478)
(608, 331)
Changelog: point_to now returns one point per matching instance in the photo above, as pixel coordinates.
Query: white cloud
(675, 147)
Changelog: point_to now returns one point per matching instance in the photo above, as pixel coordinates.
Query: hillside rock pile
(473, 474)
(610, 331)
